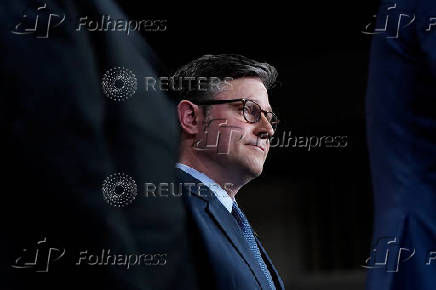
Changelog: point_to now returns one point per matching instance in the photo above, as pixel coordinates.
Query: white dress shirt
(219, 192)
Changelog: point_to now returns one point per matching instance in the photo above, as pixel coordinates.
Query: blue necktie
(248, 235)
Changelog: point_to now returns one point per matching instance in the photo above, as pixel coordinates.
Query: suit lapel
(274, 273)
(225, 221)
(229, 226)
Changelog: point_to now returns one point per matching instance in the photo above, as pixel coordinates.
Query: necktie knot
(240, 218)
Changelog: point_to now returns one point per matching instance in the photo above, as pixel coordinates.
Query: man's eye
(250, 110)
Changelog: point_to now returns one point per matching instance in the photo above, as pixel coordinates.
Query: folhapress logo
(388, 254)
(38, 258)
(38, 20)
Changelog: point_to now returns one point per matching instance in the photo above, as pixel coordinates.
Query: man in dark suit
(64, 137)
(401, 126)
(226, 122)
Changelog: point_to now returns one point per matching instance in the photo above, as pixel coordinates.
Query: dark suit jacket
(223, 257)
(64, 137)
(401, 124)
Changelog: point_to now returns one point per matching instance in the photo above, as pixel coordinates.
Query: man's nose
(265, 129)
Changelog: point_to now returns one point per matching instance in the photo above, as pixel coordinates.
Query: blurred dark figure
(62, 137)
(401, 125)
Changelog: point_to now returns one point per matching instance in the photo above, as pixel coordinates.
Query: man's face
(242, 146)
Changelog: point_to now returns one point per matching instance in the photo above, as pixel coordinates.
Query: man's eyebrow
(269, 109)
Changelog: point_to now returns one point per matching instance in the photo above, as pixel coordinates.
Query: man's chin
(255, 170)
(247, 168)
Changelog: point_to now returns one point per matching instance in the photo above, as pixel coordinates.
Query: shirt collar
(219, 192)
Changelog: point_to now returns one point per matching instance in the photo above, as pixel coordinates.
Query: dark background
(312, 209)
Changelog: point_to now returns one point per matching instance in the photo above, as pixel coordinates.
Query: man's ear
(189, 117)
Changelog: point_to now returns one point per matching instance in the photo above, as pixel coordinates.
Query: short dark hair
(222, 66)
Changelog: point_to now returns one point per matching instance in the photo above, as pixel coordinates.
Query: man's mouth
(258, 146)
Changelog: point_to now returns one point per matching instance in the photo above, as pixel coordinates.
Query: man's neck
(223, 177)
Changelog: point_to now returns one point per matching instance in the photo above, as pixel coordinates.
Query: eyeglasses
(252, 110)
